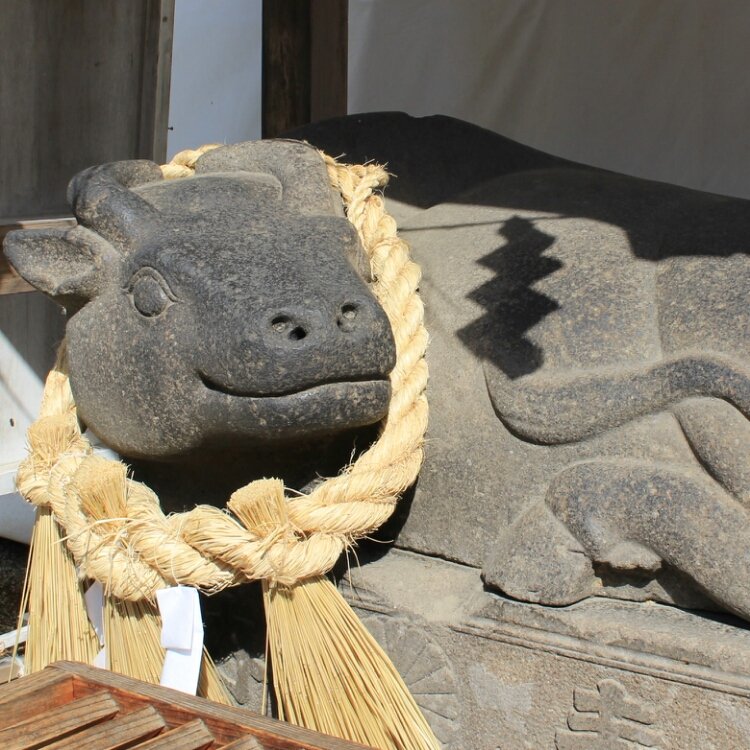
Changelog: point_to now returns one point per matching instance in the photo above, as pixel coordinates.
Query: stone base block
(493, 674)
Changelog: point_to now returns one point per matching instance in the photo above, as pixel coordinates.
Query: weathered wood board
(70, 705)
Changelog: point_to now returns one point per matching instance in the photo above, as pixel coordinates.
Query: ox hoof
(536, 559)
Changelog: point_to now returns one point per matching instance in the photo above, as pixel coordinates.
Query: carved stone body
(589, 394)
(590, 369)
(590, 344)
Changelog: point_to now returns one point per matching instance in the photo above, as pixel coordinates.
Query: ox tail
(566, 406)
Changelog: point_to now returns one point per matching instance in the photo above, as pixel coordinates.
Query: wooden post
(305, 46)
(329, 49)
(286, 65)
(157, 77)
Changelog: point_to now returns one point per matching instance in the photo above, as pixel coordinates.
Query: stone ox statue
(589, 386)
(590, 390)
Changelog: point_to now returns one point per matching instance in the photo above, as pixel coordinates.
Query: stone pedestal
(495, 674)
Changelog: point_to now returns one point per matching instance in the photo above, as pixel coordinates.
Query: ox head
(226, 309)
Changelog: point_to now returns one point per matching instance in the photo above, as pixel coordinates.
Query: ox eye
(150, 293)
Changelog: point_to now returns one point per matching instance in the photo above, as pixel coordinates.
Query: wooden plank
(59, 687)
(245, 743)
(10, 281)
(305, 49)
(191, 736)
(58, 722)
(286, 66)
(226, 723)
(85, 92)
(23, 702)
(46, 222)
(8, 640)
(116, 734)
(329, 52)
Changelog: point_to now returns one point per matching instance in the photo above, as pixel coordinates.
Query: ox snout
(290, 349)
(301, 371)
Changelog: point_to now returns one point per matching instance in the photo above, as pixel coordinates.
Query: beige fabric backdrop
(656, 88)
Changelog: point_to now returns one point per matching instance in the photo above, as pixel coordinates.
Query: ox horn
(102, 200)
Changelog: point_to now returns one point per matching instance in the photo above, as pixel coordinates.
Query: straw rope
(134, 549)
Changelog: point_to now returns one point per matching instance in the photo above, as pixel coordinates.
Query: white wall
(216, 83)
(656, 89)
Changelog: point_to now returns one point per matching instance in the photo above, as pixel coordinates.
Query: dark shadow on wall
(438, 158)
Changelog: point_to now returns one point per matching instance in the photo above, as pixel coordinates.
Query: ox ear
(71, 266)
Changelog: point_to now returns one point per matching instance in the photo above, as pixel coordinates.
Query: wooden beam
(157, 78)
(286, 65)
(305, 47)
(226, 723)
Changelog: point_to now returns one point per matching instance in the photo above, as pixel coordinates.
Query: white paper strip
(181, 636)
(94, 597)
(100, 660)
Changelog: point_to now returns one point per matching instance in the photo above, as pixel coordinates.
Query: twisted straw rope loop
(135, 549)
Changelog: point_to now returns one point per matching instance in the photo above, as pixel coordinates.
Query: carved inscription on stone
(607, 718)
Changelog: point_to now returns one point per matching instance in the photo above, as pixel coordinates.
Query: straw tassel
(133, 638)
(59, 627)
(356, 692)
(329, 673)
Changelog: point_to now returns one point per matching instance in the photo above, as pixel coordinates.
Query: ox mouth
(251, 417)
(319, 387)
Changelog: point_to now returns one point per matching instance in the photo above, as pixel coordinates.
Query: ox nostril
(285, 326)
(347, 315)
(280, 323)
(349, 310)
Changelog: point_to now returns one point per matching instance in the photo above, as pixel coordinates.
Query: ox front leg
(631, 516)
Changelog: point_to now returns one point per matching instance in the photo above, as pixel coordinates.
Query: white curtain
(654, 88)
